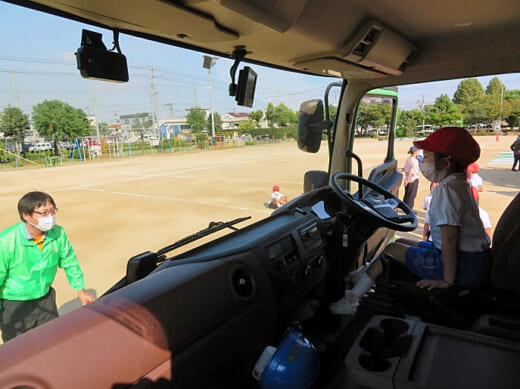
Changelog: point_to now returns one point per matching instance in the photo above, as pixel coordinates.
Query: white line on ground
(234, 179)
(147, 176)
(146, 196)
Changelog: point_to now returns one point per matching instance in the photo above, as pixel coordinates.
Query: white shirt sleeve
(426, 202)
(486, 222)
(475, 180)
(448, 206)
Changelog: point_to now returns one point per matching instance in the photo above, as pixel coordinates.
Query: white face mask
(430, 173)
(45, 223)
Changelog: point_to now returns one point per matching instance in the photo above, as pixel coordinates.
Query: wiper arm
(143, 264)
(212, 228)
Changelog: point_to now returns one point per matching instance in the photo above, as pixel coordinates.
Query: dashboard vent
(242, 283)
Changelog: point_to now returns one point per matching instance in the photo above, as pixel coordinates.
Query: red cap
(453, 141)
(276, 188)
(472, 168)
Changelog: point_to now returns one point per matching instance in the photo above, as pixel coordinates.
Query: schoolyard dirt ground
(114, 209)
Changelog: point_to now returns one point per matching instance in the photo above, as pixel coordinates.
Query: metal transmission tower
(170, 105)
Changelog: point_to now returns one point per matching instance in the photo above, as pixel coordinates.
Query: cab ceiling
(455, 38)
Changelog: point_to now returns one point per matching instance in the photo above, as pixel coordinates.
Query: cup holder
(394, 327)
(388, 340)
(371, 363)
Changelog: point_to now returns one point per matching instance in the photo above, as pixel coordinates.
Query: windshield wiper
(139, 266)
(212, 228)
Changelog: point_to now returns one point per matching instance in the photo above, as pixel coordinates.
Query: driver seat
(462, 308)
(505, 272)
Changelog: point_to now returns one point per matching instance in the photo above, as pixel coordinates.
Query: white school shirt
(426, 202)
(484, 218)
(275, 195)
(452, 204)
(475, 180)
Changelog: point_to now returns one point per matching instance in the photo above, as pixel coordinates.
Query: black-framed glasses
(49, 212)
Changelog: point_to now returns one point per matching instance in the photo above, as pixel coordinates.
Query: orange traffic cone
(497, 138)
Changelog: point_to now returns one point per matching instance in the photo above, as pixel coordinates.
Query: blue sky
(40, 49)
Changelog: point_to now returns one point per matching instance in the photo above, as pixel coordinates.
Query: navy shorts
(473, 269)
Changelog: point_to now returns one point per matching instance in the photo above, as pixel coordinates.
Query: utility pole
(170, 105)
(501, 103)
(15, 89)
(154, 96)
(95, 114)
(208, 64)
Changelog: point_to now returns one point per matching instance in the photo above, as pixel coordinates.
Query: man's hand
(85, 297)
(433, 284)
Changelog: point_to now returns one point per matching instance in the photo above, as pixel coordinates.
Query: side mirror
(311, 126)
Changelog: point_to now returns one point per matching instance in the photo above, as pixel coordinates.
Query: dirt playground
(114, 209)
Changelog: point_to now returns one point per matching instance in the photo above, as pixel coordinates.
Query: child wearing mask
(458, 254)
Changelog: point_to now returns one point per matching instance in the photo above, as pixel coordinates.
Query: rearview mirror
(246, 86)
(311, 126)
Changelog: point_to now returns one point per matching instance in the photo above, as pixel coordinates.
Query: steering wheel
(381, 211)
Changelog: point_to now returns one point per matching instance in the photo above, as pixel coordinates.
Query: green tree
(333, 112)
(141, 122)
(284, 116)
(13, 124)
(444, 112)
(409, 120)
(218, 122)
(269, 114)
(495, 108)
(513, 98)
(196, 119)
(246, 126)
(475, 112)
(103, 129)
(468, 91)
(56, 120)
(256, 116)
(373, 116)
(495, 87)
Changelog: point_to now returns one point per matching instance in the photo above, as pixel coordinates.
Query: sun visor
(377, 47)
(335, 67)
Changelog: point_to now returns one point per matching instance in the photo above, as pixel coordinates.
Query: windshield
(139, 165)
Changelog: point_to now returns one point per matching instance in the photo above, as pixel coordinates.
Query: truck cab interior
(202, 318)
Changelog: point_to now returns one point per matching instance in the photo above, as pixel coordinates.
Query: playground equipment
(92, 147)
(17, 157)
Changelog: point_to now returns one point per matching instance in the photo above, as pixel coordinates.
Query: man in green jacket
(30, 253)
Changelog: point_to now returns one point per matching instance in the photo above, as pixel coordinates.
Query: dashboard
(289, 246)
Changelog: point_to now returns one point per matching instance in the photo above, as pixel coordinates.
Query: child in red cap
(277, 199)
(458, 254)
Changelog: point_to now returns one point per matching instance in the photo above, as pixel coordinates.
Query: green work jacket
(26, 272)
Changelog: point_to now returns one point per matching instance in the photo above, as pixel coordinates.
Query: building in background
(231, 120)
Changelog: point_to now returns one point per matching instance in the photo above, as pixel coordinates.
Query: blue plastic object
(295, 365)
